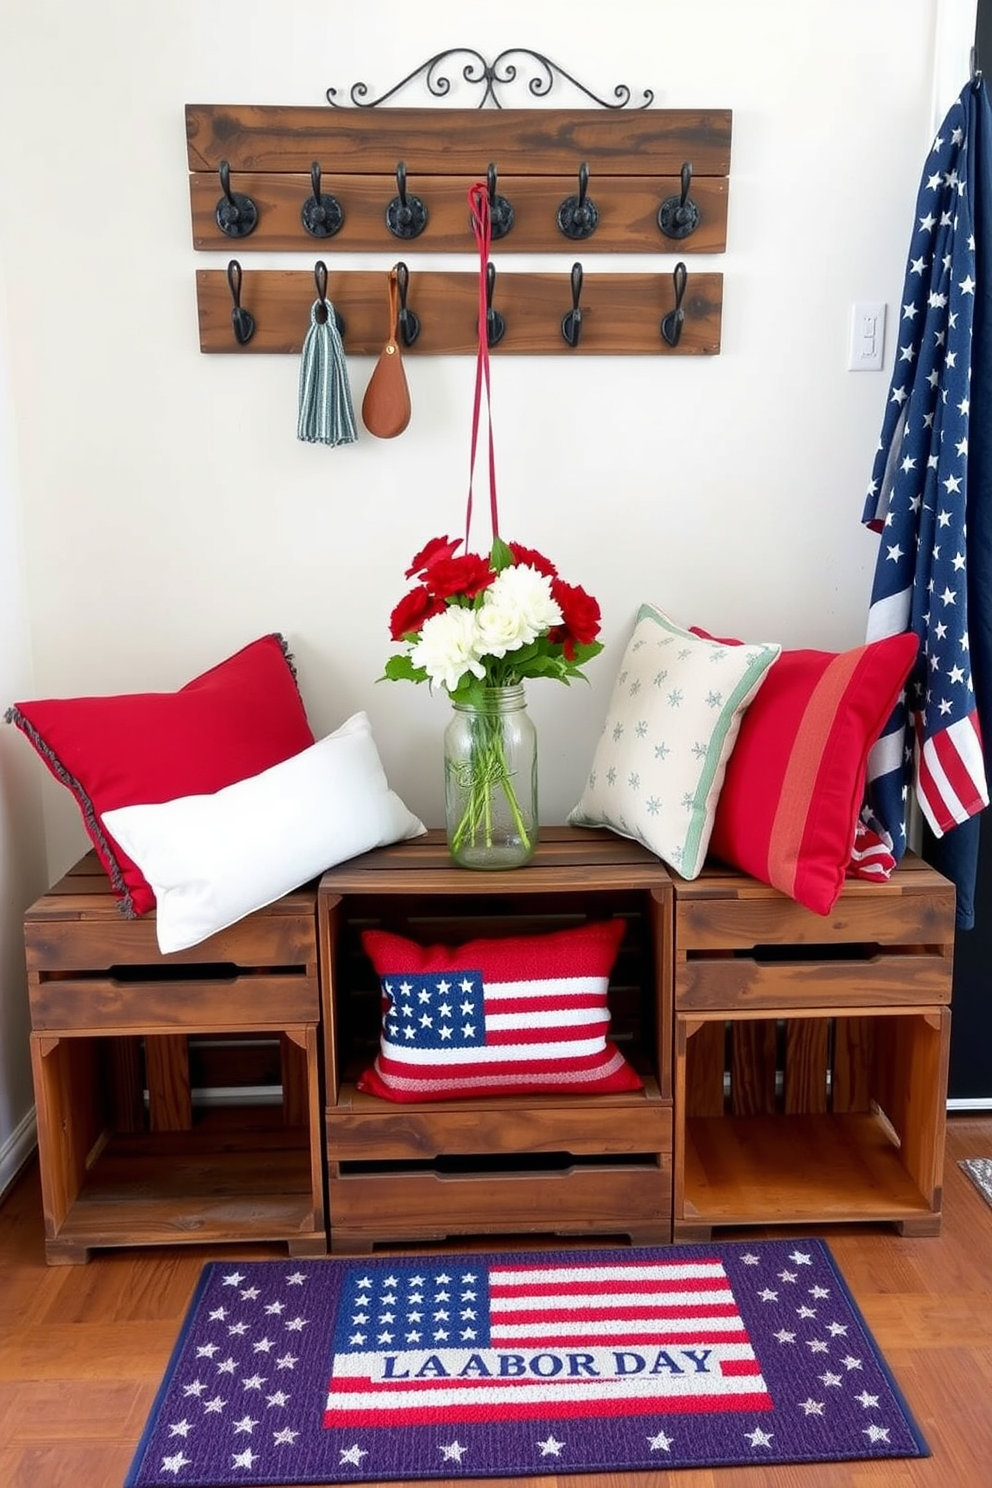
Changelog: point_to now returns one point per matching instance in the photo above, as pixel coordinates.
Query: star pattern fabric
(514, 1364)
(932, 745)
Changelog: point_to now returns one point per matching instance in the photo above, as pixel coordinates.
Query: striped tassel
(326, 412)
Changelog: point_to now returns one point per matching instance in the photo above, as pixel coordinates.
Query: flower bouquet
(478, 627)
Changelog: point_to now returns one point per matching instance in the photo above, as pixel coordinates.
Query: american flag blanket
(515, 1364)
(917, 500)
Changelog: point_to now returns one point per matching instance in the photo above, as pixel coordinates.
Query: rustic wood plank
(562, 853)
(262, 1001)
(911, 1058)
(768, 1170)
(293, 1062)
(628, 209)
(593, 1200)
(806, 1066)
(170, 1103)
(70, 1119)
(531, 141)
(621, 313)
(753, 1066)
(709, 984)
(914, 911)
(58, 937)
(705, 1093)
(854, 1041)
(127, 1091)
(360, 1129)
(658, 975)
(233, 1179)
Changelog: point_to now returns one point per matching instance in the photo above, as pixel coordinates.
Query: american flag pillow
(503, 1016)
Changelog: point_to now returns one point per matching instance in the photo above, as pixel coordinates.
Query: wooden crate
(811, 1053)
(510, 1165)
(126, 1155)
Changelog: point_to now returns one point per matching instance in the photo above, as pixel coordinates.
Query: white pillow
(672, 723)
(213, 859)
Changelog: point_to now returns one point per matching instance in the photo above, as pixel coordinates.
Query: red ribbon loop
(478, 201)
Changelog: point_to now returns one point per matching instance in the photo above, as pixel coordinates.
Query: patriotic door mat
(520, 1363)
(979, 1170)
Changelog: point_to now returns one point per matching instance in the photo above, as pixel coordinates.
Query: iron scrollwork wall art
(491, 77)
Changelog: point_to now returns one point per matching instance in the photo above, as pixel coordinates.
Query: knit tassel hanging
(326, 412)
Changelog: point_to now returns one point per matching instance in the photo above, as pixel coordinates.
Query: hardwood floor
(83, 1348)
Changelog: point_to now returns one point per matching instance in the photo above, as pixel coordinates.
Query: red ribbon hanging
(478, 200)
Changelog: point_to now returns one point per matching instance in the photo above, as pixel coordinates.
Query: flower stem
(485, 813)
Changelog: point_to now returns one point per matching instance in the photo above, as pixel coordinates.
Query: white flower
(525, 594)
(448, 648)
(501, 629)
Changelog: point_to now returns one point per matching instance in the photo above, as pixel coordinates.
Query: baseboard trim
(17, 1150)
(970, 1103)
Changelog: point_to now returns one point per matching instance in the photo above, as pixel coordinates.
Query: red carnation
(532, 557)
(411, 612)
(465, 577)
(580, 617)
(438, 548)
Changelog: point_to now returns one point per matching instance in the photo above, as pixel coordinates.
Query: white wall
(169, 513)
(22, 844)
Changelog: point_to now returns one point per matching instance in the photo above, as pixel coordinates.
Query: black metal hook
(495, 324)
(571, 323)
(500, 210)
(678, 216)
(321, 215)
(578, 215)
(406, 216)
(235, 214)
(407, 320)
(242, 320)
(320, 283)
(671, 325)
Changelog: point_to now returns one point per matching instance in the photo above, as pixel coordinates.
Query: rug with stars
(511, 1364)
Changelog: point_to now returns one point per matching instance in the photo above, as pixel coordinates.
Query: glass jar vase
(490, 781)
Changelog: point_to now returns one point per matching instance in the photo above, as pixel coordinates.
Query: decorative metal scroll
(490, 77)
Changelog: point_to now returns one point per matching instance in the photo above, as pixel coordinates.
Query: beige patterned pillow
(672, 723)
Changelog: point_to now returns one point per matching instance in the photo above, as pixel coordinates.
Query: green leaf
(500, 557)
(471, 692)
(584, 653)
(402, 669)
(545, 666)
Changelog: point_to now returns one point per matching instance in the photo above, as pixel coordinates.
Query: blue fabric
(930, 501)
(326, 413)
(956, 854)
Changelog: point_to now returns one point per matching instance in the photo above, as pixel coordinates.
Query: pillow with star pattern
(670, 729)
(512, 1015)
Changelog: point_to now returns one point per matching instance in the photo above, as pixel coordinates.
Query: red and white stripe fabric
(540, 1341)
(507, 1016)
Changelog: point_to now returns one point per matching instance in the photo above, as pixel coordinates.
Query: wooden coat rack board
(357, 164)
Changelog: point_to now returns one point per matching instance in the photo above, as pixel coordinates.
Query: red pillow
(511, 1016)
(794, 785)
(236, 720)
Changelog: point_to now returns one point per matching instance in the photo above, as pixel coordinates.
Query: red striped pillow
(511, 1016)
(794, 786)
